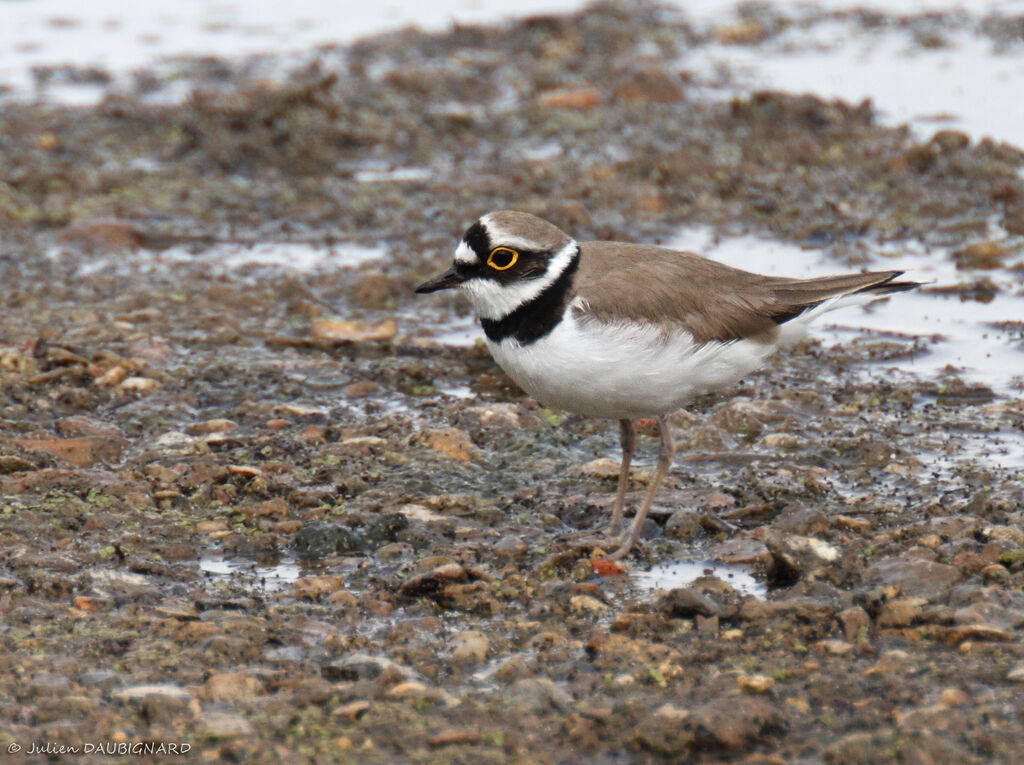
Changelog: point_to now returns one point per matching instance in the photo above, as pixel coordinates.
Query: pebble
(684, 525)
(231, 686)
(755, 683)
(901, 612)
(219, 725)
(470, 646)
(570, 98)
(586, 604)
(834, 647)
(339, 330)
(451, 442)
(497, 416)
(913, 576)
(431, 581)
(364, 666)
(510, 547)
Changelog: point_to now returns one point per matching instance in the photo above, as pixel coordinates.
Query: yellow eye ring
(502, 253)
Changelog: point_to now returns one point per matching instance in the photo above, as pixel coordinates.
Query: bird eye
(502, 258)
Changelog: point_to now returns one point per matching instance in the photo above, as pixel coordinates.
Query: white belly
(623, 370)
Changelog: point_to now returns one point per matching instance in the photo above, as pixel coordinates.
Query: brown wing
(712, 301)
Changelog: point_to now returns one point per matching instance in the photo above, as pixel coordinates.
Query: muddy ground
(164, 416)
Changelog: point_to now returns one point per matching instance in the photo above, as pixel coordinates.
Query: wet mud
(288, 512)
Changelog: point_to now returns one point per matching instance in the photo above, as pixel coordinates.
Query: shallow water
(674, 574)
(958, 333)
(247, 573)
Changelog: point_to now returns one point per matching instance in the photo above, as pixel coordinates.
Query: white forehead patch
(501, 238)
(464, 254)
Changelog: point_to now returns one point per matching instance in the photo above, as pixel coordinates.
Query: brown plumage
(712, 301)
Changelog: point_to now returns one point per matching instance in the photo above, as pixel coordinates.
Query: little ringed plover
(623, 331)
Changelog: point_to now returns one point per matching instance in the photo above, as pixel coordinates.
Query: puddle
(249, 574)
(302, 257)
(964, 83)
(117, 36)
(396, 175)
(675, 574)
(958, 333)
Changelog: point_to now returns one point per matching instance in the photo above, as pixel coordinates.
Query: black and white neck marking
(539, 303)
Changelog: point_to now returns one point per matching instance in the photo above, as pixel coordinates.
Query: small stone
(913, 576)
(1016, 675)
(361, 389)
(586, 604)
(470, 646)
(856, 623)
(603, 467)
(953, 697)
(317, 539)
(860, 525)
(81, 452)
(901, 612)
(781, 441)
(570, 98)
(510, 547)
(211, 426)
(451, 442)
(755, 683)
(498, 416)
(363, 666)
(208, 527)
(140, 385)
(995, 573)
(684, 525)
(796, 557)
(231, 686)
(431, 581)
(343, 599)
(450, 736)
(219, 725)
(834, 647)
(891, 662)
(351, 711)
(740, 549)
(314, 587)
(339, 330)
(960, 633)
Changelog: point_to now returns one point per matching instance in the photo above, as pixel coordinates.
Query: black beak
(445, 281)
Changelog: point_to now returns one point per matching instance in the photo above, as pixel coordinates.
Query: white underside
(629, 370)
(623, 370)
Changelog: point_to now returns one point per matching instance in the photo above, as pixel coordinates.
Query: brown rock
(901, 612)
(430, 582)
(570, 98)
(231, 686)
(361, 389)
(470, 647)
(856, 624)
(211, 426)
(452, 442)
(913, 576)
(81, 452)
(341, 331)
